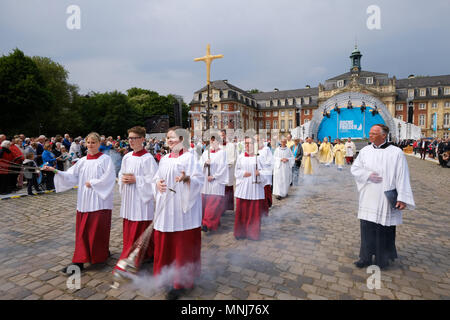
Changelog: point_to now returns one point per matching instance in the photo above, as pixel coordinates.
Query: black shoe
(175, 294)
(278, 197)
(79, 265)
(31, 194)
(204, 228)
(239, 238)
(362, 264)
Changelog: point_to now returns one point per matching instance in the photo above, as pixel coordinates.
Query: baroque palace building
(413, 100)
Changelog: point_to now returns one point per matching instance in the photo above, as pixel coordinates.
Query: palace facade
(414, 100)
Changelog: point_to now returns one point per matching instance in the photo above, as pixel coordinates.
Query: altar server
(95, 176)
(178, 214)
(135, 186)
(213, 192)
(283, 163)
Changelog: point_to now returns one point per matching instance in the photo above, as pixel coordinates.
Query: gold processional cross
(208, 59)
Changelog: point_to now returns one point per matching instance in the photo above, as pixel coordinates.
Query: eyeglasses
(134, 138)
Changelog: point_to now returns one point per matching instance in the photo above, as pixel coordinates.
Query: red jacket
(4, 161)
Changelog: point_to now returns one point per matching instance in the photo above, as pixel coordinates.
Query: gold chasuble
(325, 153)
(339, 154)
(309, 150)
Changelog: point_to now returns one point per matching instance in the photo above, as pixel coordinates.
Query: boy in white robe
(283, 163)
(231, 154)
(135, 186)
(265, 156)
(95, 177)
(213, 191)
(250, 198)
(380, 167)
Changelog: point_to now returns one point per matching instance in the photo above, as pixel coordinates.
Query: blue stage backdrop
(352, 123)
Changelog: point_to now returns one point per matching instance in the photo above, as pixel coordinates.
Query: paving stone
(312, 258)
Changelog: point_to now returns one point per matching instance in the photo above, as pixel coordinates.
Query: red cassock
(229, 198)
(92, 236)
(213, 206)
(247, 222)
(268, 196)
(179, 249)
(132, 230)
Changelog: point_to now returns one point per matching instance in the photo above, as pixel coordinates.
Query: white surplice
(245, 186)
(282, 171)
(138, 198)
(266, 158)
(218, 169)
(350, 149)
(389, 163)
(182, 209)
(100, 173)
(231, 154)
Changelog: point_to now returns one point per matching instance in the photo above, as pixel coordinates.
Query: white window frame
(340, 83)
(411, 93)
(422, 106)
(434, 105)
(422, 120)
(447, 104)
(268, 124)
(282, 113)
(268, 103)
(275, 124)
(446, 120)
(422, 92)
(434, 91)
(275, 113)
(290, 124)
(446, 91)
(446, 135)
(306, 112)
(399, 107)
(268, 113)
(290, 113)
(369, 80)
(282, 126)
(225, 106)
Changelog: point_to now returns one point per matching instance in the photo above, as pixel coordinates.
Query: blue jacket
(49, 157)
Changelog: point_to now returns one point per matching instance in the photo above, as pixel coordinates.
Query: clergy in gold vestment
(339, 153)
(310, 151)
(325, 152)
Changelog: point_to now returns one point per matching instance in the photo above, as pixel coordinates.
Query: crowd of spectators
(21, 157)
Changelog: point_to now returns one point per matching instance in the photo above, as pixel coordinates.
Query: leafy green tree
(24, 95)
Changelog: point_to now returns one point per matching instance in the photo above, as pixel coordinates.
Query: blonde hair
(94, 136)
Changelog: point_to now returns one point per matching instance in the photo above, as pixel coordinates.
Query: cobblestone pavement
(309, 243)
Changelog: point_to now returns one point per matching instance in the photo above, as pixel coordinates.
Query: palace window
(275, 124)
(422, 120)
(216, 96)
(422, 92)
(434, 105)
(225, 107)
(268, 114)
(399, 107)
(261, 124)
(340, 83)
(267, 103)
(275, 113)
(447, 91)
(446, 120)
(446, 135)
(268, 124)
(282, 124)
(282, 113)
(369, 80)
(282, 102)
(306, 112)
(299, 101)
(290, 124)
(306, 100)
(411, 93)
(447, 104)
(290, 112)
(260, 114)
(434, 91)
(422, 106)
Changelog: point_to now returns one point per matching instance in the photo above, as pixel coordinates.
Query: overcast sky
(284, 44)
